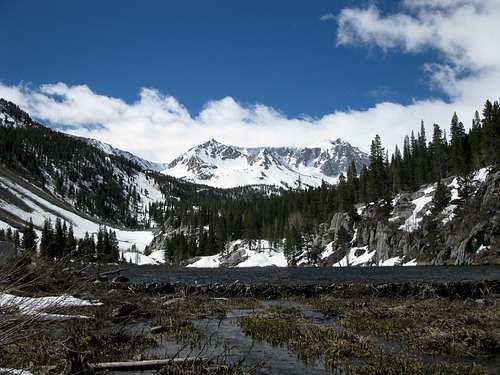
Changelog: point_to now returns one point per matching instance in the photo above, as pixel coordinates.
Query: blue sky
(158, 77)
(275, 52)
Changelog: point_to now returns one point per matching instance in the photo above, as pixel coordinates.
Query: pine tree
(457, 132)
(47, 240)
(397, 172)
(466, 185)
(29, 237)
(17, 239)
(475, 142)
(9, 237)
(293, 245)
(490, 141)
(70, 243)
(441, 198)
(376, 170)
(100, 250)
(422, 157)
(438, 153)
(59, 240)
(115, 249)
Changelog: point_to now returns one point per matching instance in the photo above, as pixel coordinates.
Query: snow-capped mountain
(215, 164)
(110, 150)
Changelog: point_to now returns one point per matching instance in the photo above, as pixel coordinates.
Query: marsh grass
(401, 364)
(434, 325)
(287, 327)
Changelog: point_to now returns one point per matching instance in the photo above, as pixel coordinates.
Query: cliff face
(474, 237)
(465, 232)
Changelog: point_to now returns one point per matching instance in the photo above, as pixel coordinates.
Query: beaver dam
(113, 326)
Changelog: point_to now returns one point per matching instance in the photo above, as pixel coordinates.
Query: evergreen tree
(47, 245)
(376, 180)
(29, 237)
(438, 153)
(457, 156)
(293, 245)
(70, 243)
(17, 239)
(441, 198)
(59, 240)
(466, 185)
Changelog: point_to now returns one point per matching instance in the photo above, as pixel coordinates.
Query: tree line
(58, 241)
(26, 238)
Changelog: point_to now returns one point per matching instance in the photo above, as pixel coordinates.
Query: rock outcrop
(466, 232)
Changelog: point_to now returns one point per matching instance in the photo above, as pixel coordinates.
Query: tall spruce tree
(29, 237)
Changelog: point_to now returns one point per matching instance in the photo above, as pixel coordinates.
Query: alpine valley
(330, 204)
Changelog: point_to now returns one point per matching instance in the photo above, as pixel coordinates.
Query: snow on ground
(363, 258)
(482, 249)
(480, 176)
(156, 257)
(4, 225)
(35, 306)
(416, 217)
(12, 371)
(211, 261)
(262, 256)
(328, 251)
(397, 261)
(449, 213)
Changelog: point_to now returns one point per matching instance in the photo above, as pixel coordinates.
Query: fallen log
(152, 364)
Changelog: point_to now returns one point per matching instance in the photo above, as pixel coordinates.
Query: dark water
(301, 275)
(226, 341)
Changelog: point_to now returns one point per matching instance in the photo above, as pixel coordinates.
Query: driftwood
(152, 364)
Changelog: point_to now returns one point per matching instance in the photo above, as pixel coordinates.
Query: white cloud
(462, 31)
(327, 17)
(159, 128)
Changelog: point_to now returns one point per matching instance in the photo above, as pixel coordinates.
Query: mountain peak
(215, 164)
(12, 115)
(211, 142)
